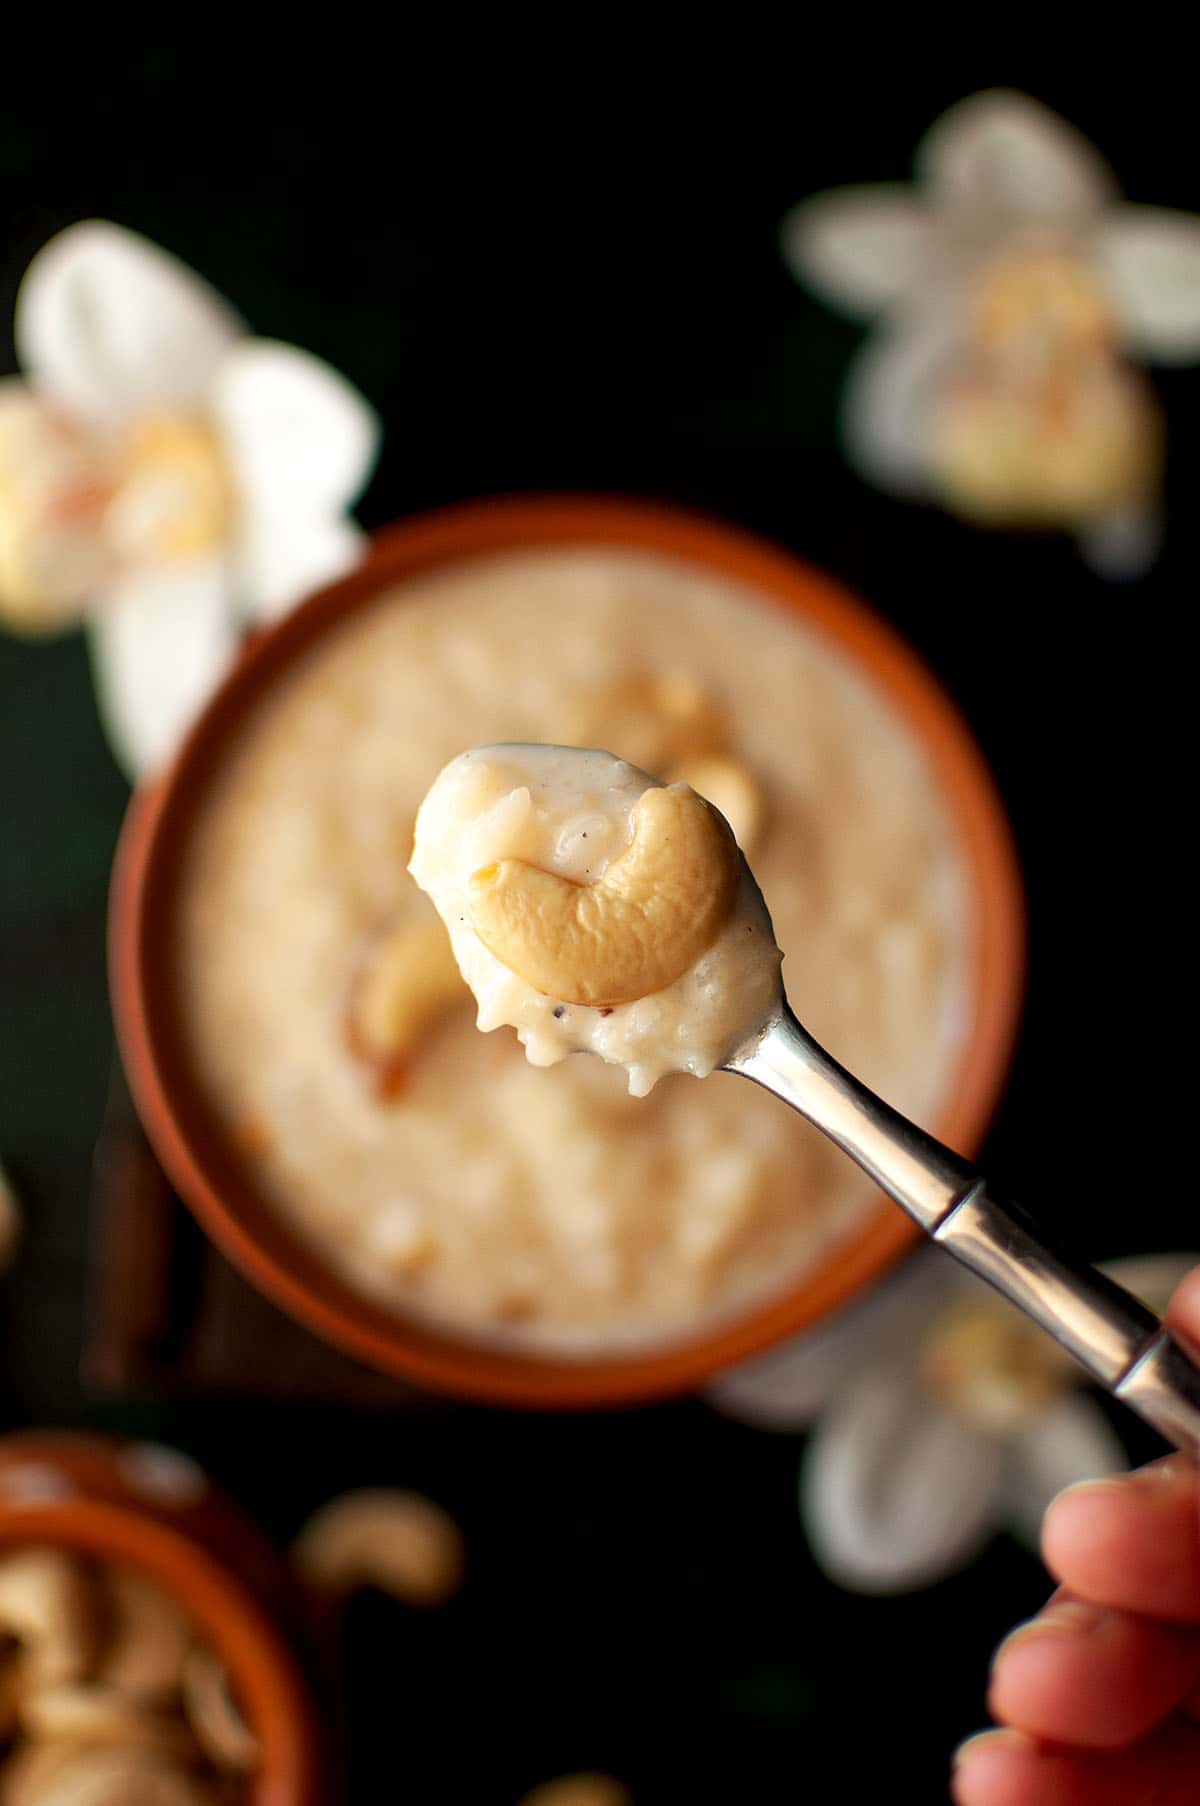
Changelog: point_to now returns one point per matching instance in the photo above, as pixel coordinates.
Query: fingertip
(990, 1769)
(1088, 1676)
(1184, 1309)
(1075, 1517)
(1004, 1768)
(1131, 1541)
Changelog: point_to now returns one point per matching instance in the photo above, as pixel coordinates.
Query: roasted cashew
(212, 1712)
(122, 1778)
(670, 725)
(653, 721)
(101, 1718)
(658, 907)
(46, 1604)
(26, 1773)
(398, 1541)
(117, 1738)
(730, 787)
(149, 1637)
(579, 1790)
(407, 981)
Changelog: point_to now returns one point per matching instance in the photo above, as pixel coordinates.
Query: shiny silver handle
(1163, 1386)
(1111, 1333)
(1122, 1344)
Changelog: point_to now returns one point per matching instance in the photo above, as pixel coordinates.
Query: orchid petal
(160, 643)
(896, 1493)
(284, 558)
(863, 248)
(786, 1388)
(1069, 1443)
(1150, 257)
(300, 438)
(1123, 545)
(54, 485)
(889, 396)
(1151, 1277)
(109, 326)
(1001, 157)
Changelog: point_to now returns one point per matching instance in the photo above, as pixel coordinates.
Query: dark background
(544, 281)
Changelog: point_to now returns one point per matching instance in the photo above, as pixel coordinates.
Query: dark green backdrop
(551, 285)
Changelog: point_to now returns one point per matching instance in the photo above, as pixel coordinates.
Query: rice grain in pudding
(549, 1208)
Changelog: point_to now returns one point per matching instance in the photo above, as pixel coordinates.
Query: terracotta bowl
(199, 1157)
(153, 1508)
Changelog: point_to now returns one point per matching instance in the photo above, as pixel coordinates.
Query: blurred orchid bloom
(164, 476)
(941, 1414)
(1010, 280)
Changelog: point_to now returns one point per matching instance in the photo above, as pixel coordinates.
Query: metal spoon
(1124, 1346)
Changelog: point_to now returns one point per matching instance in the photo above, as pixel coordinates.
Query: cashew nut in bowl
(123, 1778)
(148, 1639)
(654, 720)
(670, 724)
(100, 1716)
(397, 1541)
(123, 1707)
(46, 1606)
(657, 907)
(590, 1789)
(732, 788)
(407, 980)
(594, 909)
(25, 1777)
(212, 1712)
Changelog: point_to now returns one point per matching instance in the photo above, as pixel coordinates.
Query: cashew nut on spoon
(594, 909)
(634, 930)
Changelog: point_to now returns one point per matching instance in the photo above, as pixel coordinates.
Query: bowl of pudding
(303, 1049)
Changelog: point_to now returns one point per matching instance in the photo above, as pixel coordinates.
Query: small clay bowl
(198, 1154)
(153, 1508)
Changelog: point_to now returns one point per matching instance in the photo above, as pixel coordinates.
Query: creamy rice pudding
(596, 910)
(335, 1037)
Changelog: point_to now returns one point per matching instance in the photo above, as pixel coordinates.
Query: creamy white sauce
(568, 811)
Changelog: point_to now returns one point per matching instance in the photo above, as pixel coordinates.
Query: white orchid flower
(164, 476)
(941, 1415)
(1010, 279)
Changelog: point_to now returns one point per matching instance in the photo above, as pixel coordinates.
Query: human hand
(1098, 1696)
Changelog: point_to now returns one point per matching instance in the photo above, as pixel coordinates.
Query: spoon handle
(1124, 1346)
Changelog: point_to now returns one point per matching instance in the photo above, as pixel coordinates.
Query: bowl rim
(201, 1164)
(96, 1515)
